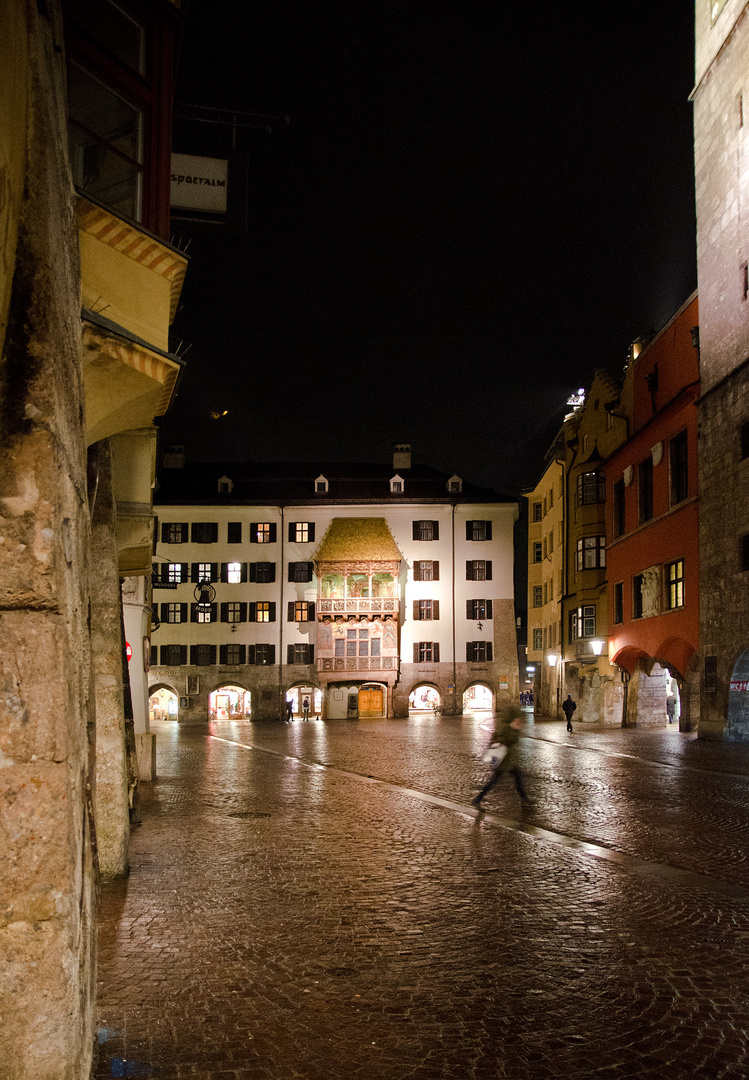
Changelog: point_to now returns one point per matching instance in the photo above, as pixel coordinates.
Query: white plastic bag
(495, 754)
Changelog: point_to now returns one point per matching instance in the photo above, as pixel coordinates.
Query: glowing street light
(551, 659)
(597, 646)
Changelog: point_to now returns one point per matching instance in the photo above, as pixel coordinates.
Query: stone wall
(46, 714)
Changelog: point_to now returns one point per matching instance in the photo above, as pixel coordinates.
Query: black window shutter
(183, 654)
(224, 572)
(253, 571)
(194, 572)
(290, 612)
(193, 654)
(489, 609)
(415, 530)
(488, 650)
(436, 651)
(272, 611)
(214, 571)
(292, 535)
(416, 652)
(154, 656)
(164, 532)
(311, 611)
(234, 532)
(194, 532)
(489, 570)
(242, 651)
(164, 612)
(224, 616)
(310, 569)
(289, 648)
(417, 571)
(213, 654)
(292, 569)
(214, 540)
(469, 650)
(435, 571)
(272, 651)
(184, 570)
(435, 609)
(243, 612)
(469, 570)
(252, 613)
(214, 612)
(488, 534)
(272, 576)
(416, 611)
(193, 612)
(311, 531)
(272, 538)
(183, 612)
(253, 537)
(469, 530)
(310, 654)
(435, 530)
(250, 654)
(469, 609)
(222, 658)
(243, 572)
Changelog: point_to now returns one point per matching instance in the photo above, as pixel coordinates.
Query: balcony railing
(374, 605)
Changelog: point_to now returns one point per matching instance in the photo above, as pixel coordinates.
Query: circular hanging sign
(128, 651)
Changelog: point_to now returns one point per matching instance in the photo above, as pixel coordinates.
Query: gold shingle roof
(358, 538)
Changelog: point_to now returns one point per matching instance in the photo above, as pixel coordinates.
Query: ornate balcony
(371, 606)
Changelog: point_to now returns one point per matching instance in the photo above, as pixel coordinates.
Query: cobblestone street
(320, 900)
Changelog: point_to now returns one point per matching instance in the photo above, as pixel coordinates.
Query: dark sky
(472, 208)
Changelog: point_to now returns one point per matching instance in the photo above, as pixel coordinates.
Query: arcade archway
(230, 703)
(297, 695)
(478, 698)
(737, 727)
(424, 698)
(163, 704)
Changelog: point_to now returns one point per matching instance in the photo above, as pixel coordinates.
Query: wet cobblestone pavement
(320, 900)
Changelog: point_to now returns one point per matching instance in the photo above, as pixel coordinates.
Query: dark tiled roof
(283, 483)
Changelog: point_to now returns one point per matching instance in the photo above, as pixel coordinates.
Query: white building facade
(362, 590)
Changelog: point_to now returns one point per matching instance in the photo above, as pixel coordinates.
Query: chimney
(402, 456)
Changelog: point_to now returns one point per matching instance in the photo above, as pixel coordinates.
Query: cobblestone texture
(284, 919)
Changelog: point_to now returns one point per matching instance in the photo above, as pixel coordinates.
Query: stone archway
(424, 697)
(737, 723)
(230, 701)
(163, 702)
(479, 697)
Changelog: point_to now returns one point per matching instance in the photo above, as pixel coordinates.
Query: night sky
(472, 208)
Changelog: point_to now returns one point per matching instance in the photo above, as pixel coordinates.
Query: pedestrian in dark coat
(568, 707)
(289, 711)
(507, 734)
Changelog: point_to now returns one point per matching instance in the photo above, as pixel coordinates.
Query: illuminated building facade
(367, 589)
(653, 534)
(546, 561)
(722, 193)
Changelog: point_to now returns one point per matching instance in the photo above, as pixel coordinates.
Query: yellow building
(546, 580)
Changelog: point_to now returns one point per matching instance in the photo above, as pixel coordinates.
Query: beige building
(546, 580)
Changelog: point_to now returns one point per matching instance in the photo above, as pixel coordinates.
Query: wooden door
(370, 703)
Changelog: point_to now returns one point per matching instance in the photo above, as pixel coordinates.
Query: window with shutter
(426, 530)
(204, 532)
(174, 532)
(234, 532)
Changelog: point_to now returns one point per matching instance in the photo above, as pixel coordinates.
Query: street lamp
(551, 659)
(597, 646)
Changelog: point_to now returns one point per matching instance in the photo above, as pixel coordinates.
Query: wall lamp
(597, 646)
(551, 660)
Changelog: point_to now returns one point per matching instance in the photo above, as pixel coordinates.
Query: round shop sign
(128, 651)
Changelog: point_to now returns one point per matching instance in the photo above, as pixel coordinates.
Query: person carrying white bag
(504, 754)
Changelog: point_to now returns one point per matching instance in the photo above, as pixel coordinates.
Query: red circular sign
(128, 651)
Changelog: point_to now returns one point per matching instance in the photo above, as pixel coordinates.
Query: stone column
(47, 839)
(112, 803)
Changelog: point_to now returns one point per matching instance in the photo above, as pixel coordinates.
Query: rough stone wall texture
(46, 841)
(646, 698)
(112, 818)
(722, 189)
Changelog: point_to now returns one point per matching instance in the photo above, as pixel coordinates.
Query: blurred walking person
(507, 735)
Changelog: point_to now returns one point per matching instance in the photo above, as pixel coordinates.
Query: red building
(653, 553)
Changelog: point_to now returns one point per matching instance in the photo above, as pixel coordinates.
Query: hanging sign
(199, 183)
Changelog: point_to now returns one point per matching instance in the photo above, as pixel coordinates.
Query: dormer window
(454, 485)
(396, 485)
(225, 486)
(321, 485)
